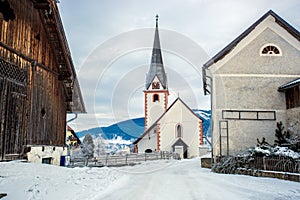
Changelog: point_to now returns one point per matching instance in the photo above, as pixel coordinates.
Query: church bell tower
(156, 91)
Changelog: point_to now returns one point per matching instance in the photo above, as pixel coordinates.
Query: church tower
(156, 92)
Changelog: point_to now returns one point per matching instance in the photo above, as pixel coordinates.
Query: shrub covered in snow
(284, 147)
(87, 146)
(231, 164)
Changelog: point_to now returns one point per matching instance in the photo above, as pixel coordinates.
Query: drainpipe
(211, 118)
(75, 117)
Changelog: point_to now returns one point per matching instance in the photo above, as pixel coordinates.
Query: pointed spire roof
(157, 66)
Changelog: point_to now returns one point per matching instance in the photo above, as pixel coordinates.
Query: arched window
(179, 131)
(270, 50)
(155, 97)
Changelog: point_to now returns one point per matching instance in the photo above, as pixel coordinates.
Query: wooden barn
(38, 83)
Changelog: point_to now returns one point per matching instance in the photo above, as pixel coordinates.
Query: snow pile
(259, 150)
(284, 151)
(275, 151)
(47, 182)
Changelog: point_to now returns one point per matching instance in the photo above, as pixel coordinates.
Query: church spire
(156, 67)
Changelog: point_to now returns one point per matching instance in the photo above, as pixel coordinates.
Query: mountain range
(131, 129)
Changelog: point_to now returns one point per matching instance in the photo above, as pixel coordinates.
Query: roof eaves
(154, 124)
(289, 85)
(233, 44)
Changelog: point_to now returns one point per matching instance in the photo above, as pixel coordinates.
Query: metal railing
(276, 164)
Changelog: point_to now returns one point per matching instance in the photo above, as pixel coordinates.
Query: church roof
(155, 123)
(156, 66)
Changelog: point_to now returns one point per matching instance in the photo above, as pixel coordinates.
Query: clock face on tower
(155, 85)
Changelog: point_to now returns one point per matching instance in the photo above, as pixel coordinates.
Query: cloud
(111, 45)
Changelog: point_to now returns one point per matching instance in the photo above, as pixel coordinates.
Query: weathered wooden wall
(292, 97)
(40, 118)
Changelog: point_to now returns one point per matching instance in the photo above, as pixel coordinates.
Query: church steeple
(156, 93)
(157, 66)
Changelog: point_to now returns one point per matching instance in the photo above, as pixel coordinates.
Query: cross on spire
(156, 67)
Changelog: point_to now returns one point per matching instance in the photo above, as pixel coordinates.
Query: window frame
(270, 54)
(176, 131)
(155, 99)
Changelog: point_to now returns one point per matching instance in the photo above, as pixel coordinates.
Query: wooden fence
(276, 164)
(122, 160)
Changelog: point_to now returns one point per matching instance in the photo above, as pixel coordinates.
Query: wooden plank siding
(26, 44)
(293, 97)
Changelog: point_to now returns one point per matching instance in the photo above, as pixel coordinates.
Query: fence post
(264, 162)
(126, 159)
(106, 159)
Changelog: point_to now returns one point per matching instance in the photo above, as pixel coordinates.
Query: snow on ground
(155, 180)
(22, 181)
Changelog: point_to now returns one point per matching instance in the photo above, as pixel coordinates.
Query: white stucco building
(173, 129)
(247, 80)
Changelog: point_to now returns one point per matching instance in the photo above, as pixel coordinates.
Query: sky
(111, 43)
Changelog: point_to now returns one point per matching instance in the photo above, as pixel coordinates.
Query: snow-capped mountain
(118, 136)
(127, 130)
(205, 115)
(131, 129)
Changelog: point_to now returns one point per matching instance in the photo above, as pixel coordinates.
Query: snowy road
(155, 180)
(185, 180)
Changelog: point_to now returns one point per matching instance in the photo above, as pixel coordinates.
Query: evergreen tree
(87, 146)
(281, 135)
(100, 146)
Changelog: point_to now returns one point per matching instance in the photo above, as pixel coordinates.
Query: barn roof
(52, 22)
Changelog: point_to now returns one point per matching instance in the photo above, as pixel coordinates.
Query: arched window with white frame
(179, 131)
(270, 50)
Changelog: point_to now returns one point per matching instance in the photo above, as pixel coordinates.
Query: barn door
(13, 109)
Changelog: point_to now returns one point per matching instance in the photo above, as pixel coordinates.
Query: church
(175, 128)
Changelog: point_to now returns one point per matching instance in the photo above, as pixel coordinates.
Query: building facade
(174, 129)
(243, 81)
(37, 78)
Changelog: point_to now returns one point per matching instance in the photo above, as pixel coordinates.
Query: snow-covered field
(155, 180)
